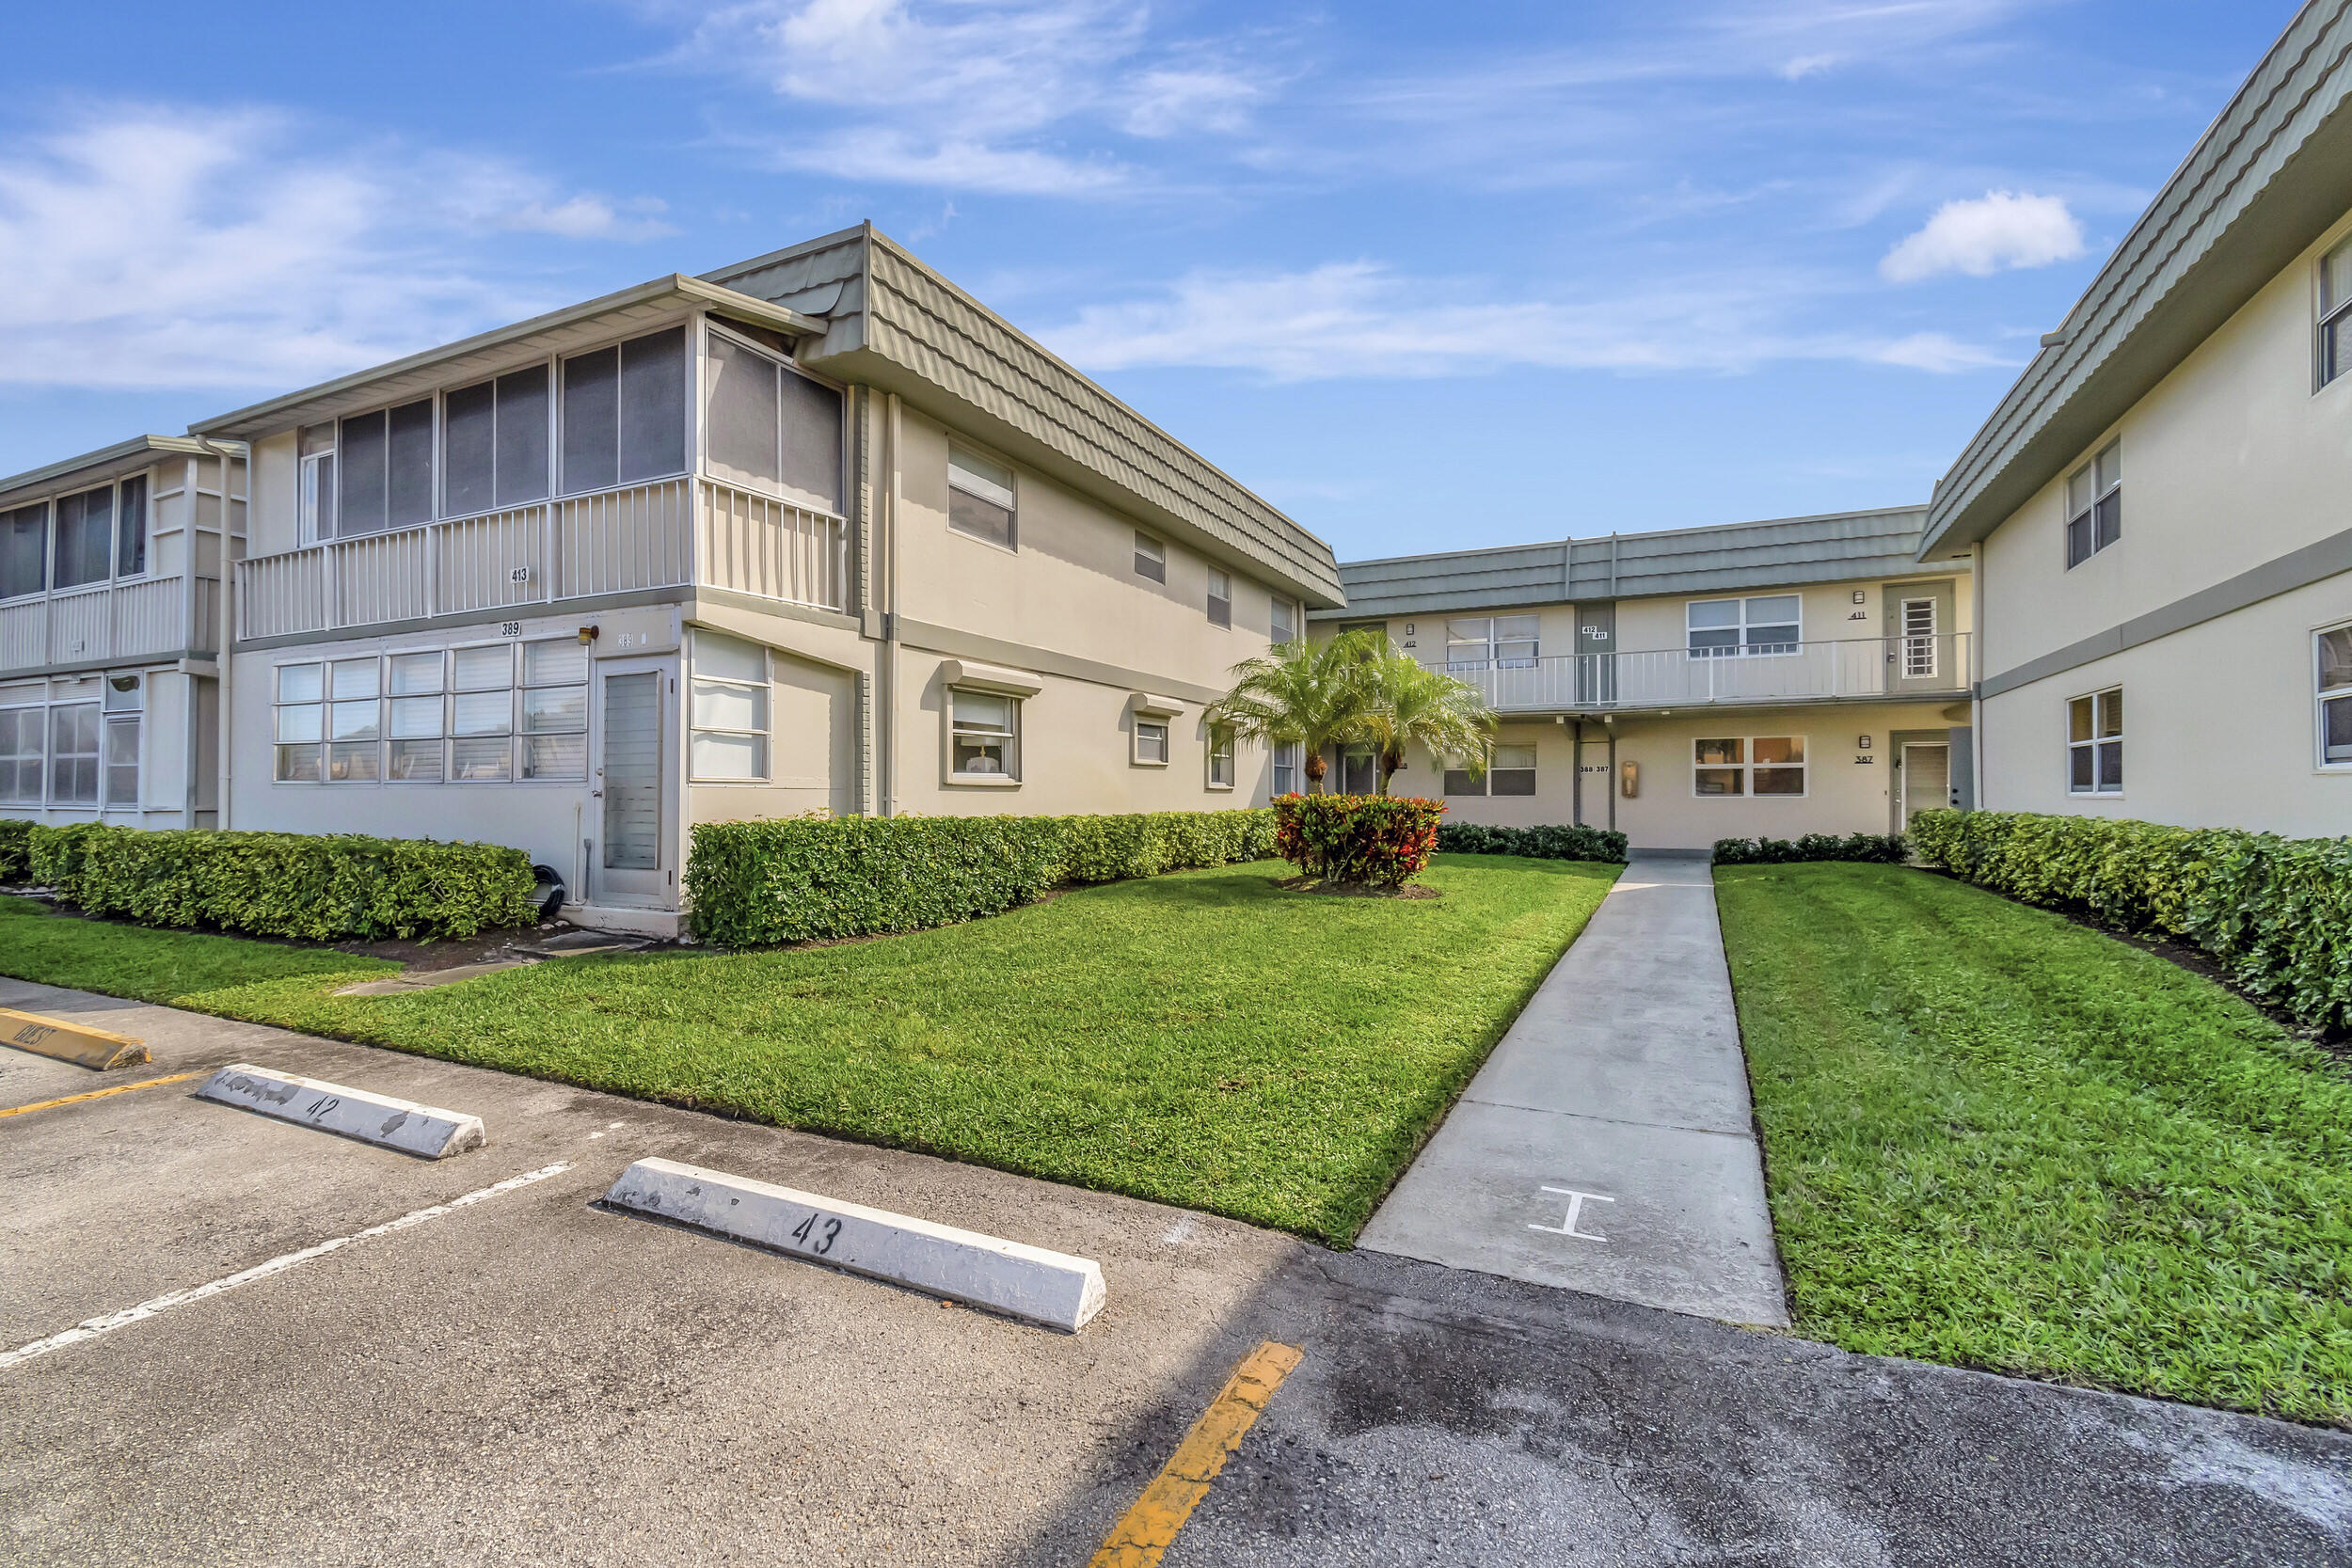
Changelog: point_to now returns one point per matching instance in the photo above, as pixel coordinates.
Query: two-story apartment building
(1766, 679)
(110, 596)
(815, 531)
(2157, 511)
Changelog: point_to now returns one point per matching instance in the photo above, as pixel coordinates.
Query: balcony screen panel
(23, 540)
(742, 415)
(812, 442)
(410, 480)
(363, 462)
(592, 411)
(469, 450)
(522, 439)
(85, 526)
(131, 536)
(653, 404)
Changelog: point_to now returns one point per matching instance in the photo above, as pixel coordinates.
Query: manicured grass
(1999, 1139)
(1205, 1038)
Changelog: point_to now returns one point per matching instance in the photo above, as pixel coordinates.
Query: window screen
(85, 526)
(23, 550)
(130, 529)
(653, 405)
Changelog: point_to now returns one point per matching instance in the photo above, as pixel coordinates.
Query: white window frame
(1283, 618)
(278, 705)
(40, 710)
(1748, 767)
(1485, 783)
(691, 369)
(2095, 742)
(1221, 751)
(1220, 607)
(517, 768)
(1011, 503)
(1290, 758)
(97, 756)
(1151, 558)
(1919, 646)
(309, 485)
(766, 734)
(2331, 343)
(1484, 651)
(514, 723)
(438, 697)
(1740, 627)
(1015, 714)
(2091, 511)
(2324, 697)
(1159, 724)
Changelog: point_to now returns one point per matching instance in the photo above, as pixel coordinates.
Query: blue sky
(1427, 277)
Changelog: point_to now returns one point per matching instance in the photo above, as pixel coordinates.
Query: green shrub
(16, 863)
(313, 887)
(817, 878)
(2275, 912)
(1888, 848)
(1379, 839)
(1114, 848)
(1557, 841)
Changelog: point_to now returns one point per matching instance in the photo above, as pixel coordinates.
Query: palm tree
(1404, 703)
(1298, 692)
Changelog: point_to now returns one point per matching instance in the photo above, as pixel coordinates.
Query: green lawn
(1999, 1139)
(1205, 1038)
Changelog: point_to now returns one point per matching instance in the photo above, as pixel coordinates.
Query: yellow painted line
(69, 1042)
(1149, 1529)
(98, 1094)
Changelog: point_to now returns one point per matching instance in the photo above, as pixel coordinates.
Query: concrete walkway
(1607, 1146)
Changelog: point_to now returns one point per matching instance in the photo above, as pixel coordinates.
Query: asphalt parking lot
(530, 1378)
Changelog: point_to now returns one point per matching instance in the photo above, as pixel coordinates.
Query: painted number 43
(824, 1237)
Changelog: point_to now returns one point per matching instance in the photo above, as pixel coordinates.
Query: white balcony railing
(108, 621)
(1892, 667)
(672, 533)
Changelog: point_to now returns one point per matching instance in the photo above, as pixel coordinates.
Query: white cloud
(148, 246)
(1357, 319)
(1999, 231)
(974, 94)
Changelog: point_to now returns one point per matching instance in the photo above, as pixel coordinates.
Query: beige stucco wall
(2231, 461)
(1071, 584)
(1077, 755)
(1844, 794)
(2220, 726)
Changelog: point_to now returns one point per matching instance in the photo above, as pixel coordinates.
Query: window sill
(1219, 789)
(979, 781)
(1013, 549)
(1139, 761)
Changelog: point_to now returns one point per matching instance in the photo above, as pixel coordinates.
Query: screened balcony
(1857, 669)
(691, 456)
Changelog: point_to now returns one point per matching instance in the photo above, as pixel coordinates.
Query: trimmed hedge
(16, 850)
(817, 878)
(313, 887)
(2275, 912)
(1891, 848)
(1379, 839)
(1552, 842)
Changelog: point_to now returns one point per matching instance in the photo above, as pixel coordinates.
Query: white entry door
(629, 781)
(1927, 780)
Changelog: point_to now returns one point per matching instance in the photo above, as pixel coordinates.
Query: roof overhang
(107, 463)
(486, 353)
(2263, 184)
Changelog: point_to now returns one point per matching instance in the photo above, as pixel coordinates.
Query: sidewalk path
(1607, 1145)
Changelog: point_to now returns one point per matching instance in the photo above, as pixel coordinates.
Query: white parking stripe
(91, 1328)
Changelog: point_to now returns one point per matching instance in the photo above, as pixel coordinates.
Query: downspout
(889, 801)
(1611, 722)
(1576, 775)
(225, 634)
(1975, 668)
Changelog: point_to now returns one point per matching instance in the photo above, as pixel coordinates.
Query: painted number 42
(823, 1244)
